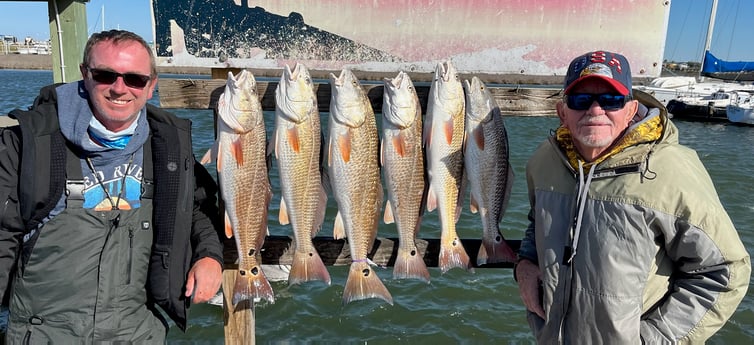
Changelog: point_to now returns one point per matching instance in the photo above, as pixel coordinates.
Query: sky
(687, 25)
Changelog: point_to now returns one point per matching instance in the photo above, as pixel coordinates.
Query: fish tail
(409, 264)
(307, 266)
(495, 250)
(252, 284)
(363, 283)
(453, 255)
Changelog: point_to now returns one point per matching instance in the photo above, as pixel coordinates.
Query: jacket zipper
(130, 253)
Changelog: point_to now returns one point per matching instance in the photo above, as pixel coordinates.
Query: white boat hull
(738, 114)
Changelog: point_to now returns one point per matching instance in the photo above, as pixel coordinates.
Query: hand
(205, 277)
(529, 276)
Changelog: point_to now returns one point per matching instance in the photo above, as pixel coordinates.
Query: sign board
(532, 37)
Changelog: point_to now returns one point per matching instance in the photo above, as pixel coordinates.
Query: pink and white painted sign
(531, 37)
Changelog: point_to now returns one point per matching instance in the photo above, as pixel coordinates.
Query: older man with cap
(628, 242)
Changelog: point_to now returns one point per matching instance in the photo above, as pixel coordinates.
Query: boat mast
(710, 26)
(708, 42)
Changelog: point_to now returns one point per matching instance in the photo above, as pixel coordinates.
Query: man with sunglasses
(628, 242)
(105, 212)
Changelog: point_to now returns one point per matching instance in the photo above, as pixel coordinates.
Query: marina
(456, 306)
(707, 95)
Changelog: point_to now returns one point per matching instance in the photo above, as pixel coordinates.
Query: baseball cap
(610, 67)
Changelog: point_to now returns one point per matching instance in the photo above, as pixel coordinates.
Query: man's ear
(560, 108)
(633, 107)
(82, 68)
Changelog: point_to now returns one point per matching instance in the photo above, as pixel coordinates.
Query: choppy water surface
(456, 307)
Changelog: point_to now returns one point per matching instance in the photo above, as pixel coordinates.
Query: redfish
(297, 142)
(353, 151)
(240, 152)
(402, 158)
(488, 169)
(443, 137)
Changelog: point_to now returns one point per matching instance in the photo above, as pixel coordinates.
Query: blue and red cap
(610, 67)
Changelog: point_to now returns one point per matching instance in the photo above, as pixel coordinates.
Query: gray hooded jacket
(638, 249)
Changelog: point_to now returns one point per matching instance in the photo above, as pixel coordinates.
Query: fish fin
(461, 195)
(448, 130)
(464, 143)
(427, 130)
(323, 171)
(479, 137)
(220, 160)
(344, 145)
(307, 266)
(507, 195)
(452, 255)
(409, 264)
(283, 214)
(236, 149)
(207, 157)
(228, 226)
(431, 200)
(388, 217)
(363, 283)
(494, 250)
(399, 142)
(473, 206)
(251, 284)
(481, 257)
(273, 148)
(378, 201)
(211, 154)
(293, 139)
(382, 153)
(319, 215)
(338, 230)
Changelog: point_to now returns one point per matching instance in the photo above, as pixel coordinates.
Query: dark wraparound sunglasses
(134, 80)
(582, 101)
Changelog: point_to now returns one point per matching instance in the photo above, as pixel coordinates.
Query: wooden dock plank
(277, 251)
(204, 93)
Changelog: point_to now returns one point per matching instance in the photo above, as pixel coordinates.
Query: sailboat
(706, 100)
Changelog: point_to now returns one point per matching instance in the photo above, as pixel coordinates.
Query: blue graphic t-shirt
(113, 185)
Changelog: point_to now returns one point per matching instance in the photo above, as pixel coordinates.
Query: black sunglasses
(134, 80)
(582, 101)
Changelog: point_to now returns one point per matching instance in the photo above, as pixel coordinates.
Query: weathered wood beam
(277, 250)
(68, 35)
(416, 77)
(204, 93)
(238, 320)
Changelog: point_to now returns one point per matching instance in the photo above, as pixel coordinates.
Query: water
(456, 307)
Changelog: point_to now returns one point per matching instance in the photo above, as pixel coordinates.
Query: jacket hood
(74, 113)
